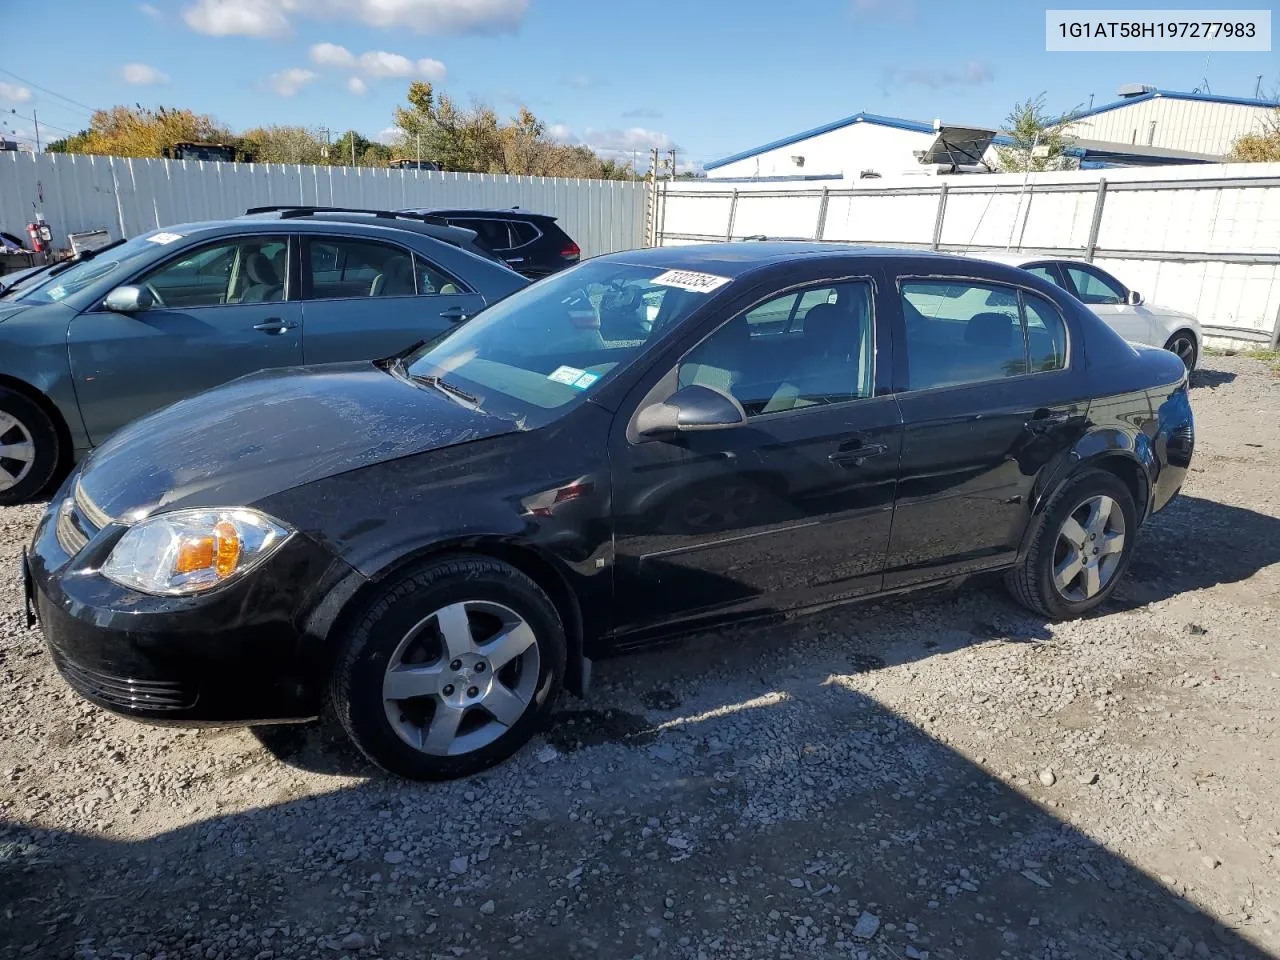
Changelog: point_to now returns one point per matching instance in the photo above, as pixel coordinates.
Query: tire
(1183, 343)
(401, 643)
(30, 438)
(1032, 581)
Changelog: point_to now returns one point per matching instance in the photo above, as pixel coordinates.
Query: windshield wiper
(448, 389)
(82, 257)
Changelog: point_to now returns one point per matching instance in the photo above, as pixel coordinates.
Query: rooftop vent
(1134, 90)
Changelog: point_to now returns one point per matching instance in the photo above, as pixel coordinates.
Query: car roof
(1020, 259)
(736, 259)
(356, 225)
(504, 213)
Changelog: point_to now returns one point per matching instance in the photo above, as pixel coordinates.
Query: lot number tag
(164, 237)
(691, 280)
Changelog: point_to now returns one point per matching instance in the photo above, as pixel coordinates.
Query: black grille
(125, 692)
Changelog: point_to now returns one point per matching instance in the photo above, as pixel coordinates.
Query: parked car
(531, 243)
(434, 544)
(1120, 308)
(98, 341)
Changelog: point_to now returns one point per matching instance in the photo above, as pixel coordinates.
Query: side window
(1044, 272)
(961, 332)
(828, 356)
(341, 268)
(1046, 334)
(1093, 286)
(493, 234)
(432, 280)
(244, 270)
(522, 233)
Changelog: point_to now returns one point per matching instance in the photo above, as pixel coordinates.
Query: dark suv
(530, 243)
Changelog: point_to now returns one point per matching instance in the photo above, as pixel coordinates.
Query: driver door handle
(454, 314)
(274, 326)
(1044, 419)
(854, 452)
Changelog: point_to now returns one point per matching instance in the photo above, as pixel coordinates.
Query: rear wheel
(1081, 546)
(29, 447)
(451, 669)
(1183, 343)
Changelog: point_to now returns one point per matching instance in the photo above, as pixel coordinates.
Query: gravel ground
(941, 776)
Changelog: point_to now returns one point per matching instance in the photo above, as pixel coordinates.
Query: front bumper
(256, 650)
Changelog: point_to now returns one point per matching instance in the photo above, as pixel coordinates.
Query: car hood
(269, 432)
(7, 310)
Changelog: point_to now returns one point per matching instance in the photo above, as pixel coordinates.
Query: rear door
(222, 309)
(365, 298)
(1109, 299)
(987, 400)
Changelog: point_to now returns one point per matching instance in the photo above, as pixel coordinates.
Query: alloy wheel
(17, 451)
(1185, 347)
(1089, 549)
(461, 677)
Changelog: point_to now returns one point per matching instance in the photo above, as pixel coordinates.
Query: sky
(707, 77)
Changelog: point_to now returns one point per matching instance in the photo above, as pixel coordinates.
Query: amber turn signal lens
(227, 552)
(194, 553)
(219, 553)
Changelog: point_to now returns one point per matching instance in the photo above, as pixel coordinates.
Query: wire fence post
(1098, 203)
(733, 214)
(822, 214)
(939, 216)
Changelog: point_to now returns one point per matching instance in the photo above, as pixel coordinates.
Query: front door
(1106, 297)
(221, 310)
(365, 299)
(791, 508)
(986, 403)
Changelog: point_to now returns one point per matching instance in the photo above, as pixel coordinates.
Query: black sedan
(436, 543)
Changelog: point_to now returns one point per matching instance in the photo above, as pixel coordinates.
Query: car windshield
(60, 283)
(542, 350)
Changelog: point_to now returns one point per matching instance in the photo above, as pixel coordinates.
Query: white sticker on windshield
(586, 380)
(691, 280)
(165, 237)
(58, 292)
(567, 375)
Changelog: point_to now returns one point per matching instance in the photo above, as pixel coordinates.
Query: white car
(1122, 309)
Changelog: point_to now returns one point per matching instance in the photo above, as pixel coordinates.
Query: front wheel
(29, 448)
(451, 669)
(1080, 547)
(1183, 343)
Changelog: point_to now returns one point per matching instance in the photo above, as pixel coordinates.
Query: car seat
(396, 280)
(264, 281)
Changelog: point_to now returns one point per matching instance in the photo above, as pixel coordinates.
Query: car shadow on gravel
(809, 821)
(1204, 377)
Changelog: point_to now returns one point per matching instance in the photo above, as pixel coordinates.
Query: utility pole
(325, 131)
(35, 118)
(673, 162)
(653, 164)
(419, 135)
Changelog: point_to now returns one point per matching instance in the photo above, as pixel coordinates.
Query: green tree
(140, 131)
(75, 143)
(283, 144)
(1260, 147)
(1038, 139)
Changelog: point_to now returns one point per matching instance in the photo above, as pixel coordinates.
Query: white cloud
(14, 93)
(376, 64)
(150, 11)
(249, 18)
(288, 82)
(614, 144)
(357, 86)
(140, 74)
(972, 74)
(562, 134)
(271, 18)
(389, 135)
(582, 81)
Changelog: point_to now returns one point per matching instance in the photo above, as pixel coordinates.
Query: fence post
(822, 213)
(662, 215)
(940, 216)
(1094, 227)
(733, 214)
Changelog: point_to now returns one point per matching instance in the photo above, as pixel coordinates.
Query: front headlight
(189, 551)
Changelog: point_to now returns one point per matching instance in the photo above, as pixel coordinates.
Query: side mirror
(1135, 298)
(129, 299)
(691, 408)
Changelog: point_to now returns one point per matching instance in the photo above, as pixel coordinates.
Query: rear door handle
(454, 314)
(1044, 419)
(274, 326)
(854, 452)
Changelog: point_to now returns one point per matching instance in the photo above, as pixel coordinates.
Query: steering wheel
(155, 294)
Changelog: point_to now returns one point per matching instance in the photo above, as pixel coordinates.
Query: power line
(51, 126)
(83, 106)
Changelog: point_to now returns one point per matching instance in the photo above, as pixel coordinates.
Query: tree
(1260, 147)
(1038, 139)
(140, 131)
(74, 143)
(282, 144)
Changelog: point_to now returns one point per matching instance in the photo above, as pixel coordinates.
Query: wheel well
(529, 562)
(1187, 330)
(40, 399)
(1130, 473)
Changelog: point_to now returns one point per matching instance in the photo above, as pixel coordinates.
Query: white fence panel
(1205, 240)
(128, 196)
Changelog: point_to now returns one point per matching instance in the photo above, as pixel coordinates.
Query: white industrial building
(1144, 127)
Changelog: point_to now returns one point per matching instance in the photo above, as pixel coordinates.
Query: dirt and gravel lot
(941, 776)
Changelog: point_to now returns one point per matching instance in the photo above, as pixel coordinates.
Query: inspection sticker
(691, 280)
(586, 380)
(568, 375)
(164, 237)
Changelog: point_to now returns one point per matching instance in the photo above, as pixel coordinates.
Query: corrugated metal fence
(127, 196)
(1205, 240)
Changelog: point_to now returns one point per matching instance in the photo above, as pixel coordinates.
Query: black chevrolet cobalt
(648, 443)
